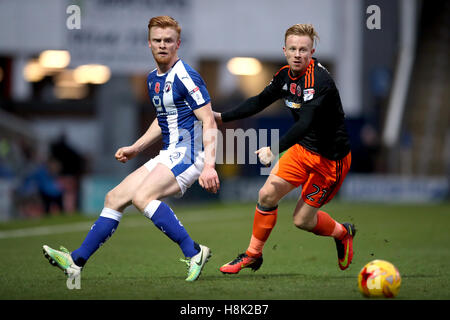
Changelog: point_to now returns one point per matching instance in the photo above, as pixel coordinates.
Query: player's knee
(303, 222)
(111, 200)
(267, 197)
(115, 200)
(140, 200)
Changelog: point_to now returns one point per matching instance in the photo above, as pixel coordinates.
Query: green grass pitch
(139, 262)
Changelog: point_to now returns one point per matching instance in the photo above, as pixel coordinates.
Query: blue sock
(165, 220)
(101, 231)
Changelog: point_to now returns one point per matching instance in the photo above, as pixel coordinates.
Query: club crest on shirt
(308, 94)
(167, 86)
(157, 103)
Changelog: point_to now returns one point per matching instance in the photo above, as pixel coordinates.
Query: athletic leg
(274, 189)
(324, 180)
(158, 184)
(266, 212)
(115, 202)
(312, 219)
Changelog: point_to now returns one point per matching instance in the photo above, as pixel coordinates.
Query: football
(379, 278)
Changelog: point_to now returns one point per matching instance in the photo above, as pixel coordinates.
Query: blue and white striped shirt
(175, 95)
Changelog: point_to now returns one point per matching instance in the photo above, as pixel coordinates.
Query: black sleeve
(300, 128)
(255, 104)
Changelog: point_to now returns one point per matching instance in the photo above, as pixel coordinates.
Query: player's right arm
(254, 104)
(152, 135)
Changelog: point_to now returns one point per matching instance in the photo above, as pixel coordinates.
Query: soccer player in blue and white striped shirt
(186, 123)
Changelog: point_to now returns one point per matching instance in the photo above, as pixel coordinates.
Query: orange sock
(263, 223)
(327, 226)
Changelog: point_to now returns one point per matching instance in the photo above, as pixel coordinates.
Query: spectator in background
(42, 179)
(72, 168)
(6, 172)
(72, 163)
(50, 190)
(13, 157)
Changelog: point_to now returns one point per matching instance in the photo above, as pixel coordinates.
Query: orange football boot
(242, 261)
(344, 247)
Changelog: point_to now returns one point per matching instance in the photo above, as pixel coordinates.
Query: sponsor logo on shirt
(292, 105)
(194, 90)
(168, 113)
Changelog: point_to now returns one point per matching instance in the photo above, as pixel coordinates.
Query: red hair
(164, 22)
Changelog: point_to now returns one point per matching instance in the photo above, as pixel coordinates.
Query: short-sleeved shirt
(175, 95)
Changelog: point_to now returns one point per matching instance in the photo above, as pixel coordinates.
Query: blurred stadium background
(71, 97)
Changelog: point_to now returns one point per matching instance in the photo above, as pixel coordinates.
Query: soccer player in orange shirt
(318, 153)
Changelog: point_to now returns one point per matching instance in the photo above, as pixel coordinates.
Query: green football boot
(196, 263)
(62, 259)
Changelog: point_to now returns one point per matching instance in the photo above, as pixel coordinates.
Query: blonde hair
(164, 22)
(302, 30)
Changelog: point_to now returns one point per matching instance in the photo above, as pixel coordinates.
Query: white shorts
(185, 169)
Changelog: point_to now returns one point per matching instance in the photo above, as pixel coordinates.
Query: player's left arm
(305, 117)
(209, 178)
(268, 154)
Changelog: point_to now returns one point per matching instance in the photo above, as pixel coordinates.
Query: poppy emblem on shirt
(293, 87)
(157, 87)
(308, 94)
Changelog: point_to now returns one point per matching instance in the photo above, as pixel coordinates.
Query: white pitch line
(85, 226)
(45, 230)
(58, 229)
